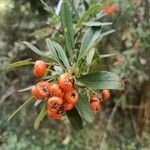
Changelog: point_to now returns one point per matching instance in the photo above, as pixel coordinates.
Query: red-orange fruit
(55, 105)
(95, 105)
(54, 115)
(105, 94)
(35, 93)
(66, 82)
(41, 90)
(55, 90)
(39, 68)
(71, 96)
(68, 106)
(93, 99)
(109, 10)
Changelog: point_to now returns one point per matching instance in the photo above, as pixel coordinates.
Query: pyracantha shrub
(70, 82)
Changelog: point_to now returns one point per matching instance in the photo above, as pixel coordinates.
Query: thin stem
(109, 122)
(23, 105)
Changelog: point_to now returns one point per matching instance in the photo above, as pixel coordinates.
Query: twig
(7, 94)
(135, 126)
(109, 122)
(23, 105)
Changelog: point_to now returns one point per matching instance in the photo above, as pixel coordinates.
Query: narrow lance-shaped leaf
(25, 89)
(96, 23)
(20, 108)
(20, 63)
(58, 54)
(84, 108)
(102, 80)
(92, 10)
(85, 42)
(40, 117)
(90, 56)
(89, 38)
(106, 55)
(107, 33)
(67, 25)
(91, 53)
(58, 8)
(96, 35)
(47, 7)
(74, 118)
(94, 41)
(95, 63)
(36, 50)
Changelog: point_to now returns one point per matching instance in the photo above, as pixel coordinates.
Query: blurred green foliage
(29, 21)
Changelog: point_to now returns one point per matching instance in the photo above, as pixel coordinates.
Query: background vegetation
(123, 122)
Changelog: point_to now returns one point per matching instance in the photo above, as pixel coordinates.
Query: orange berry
(41, 90)
(68, 106)
(109, 10)
(55, 90)
(35, 93)
(66, 82)
(55, 105)
(93, 99)
(71, 97)
(39, 68)
(95, 105)
(54, 115)
(105, 94)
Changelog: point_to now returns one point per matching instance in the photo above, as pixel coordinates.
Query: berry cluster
(61, 95)
(95, 101)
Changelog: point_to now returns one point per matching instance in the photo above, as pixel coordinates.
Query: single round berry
(41, 90)
(71, 97)
(54, 115)
(109, 10)
(55, 90)
(66, 82)
(68, 106)
(35, 93)
(55, 104)
(93, 99)
(95, 105)
(105, 94)
(39, 68)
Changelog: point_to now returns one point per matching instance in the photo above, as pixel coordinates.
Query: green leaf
(89, 38)
(102, 80)
(25, 89)
(92, 10)
(86, 40)
(20, 108)
(58, 54)
(107, 55)
(97, 36)
(41, 116)
(67, 25)
(48, 8)
(95, 63)
(84, 108)
(74, 118)
(20, 63)
(96, 23)
(90, 56)
(36, 50)
(107, 33)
